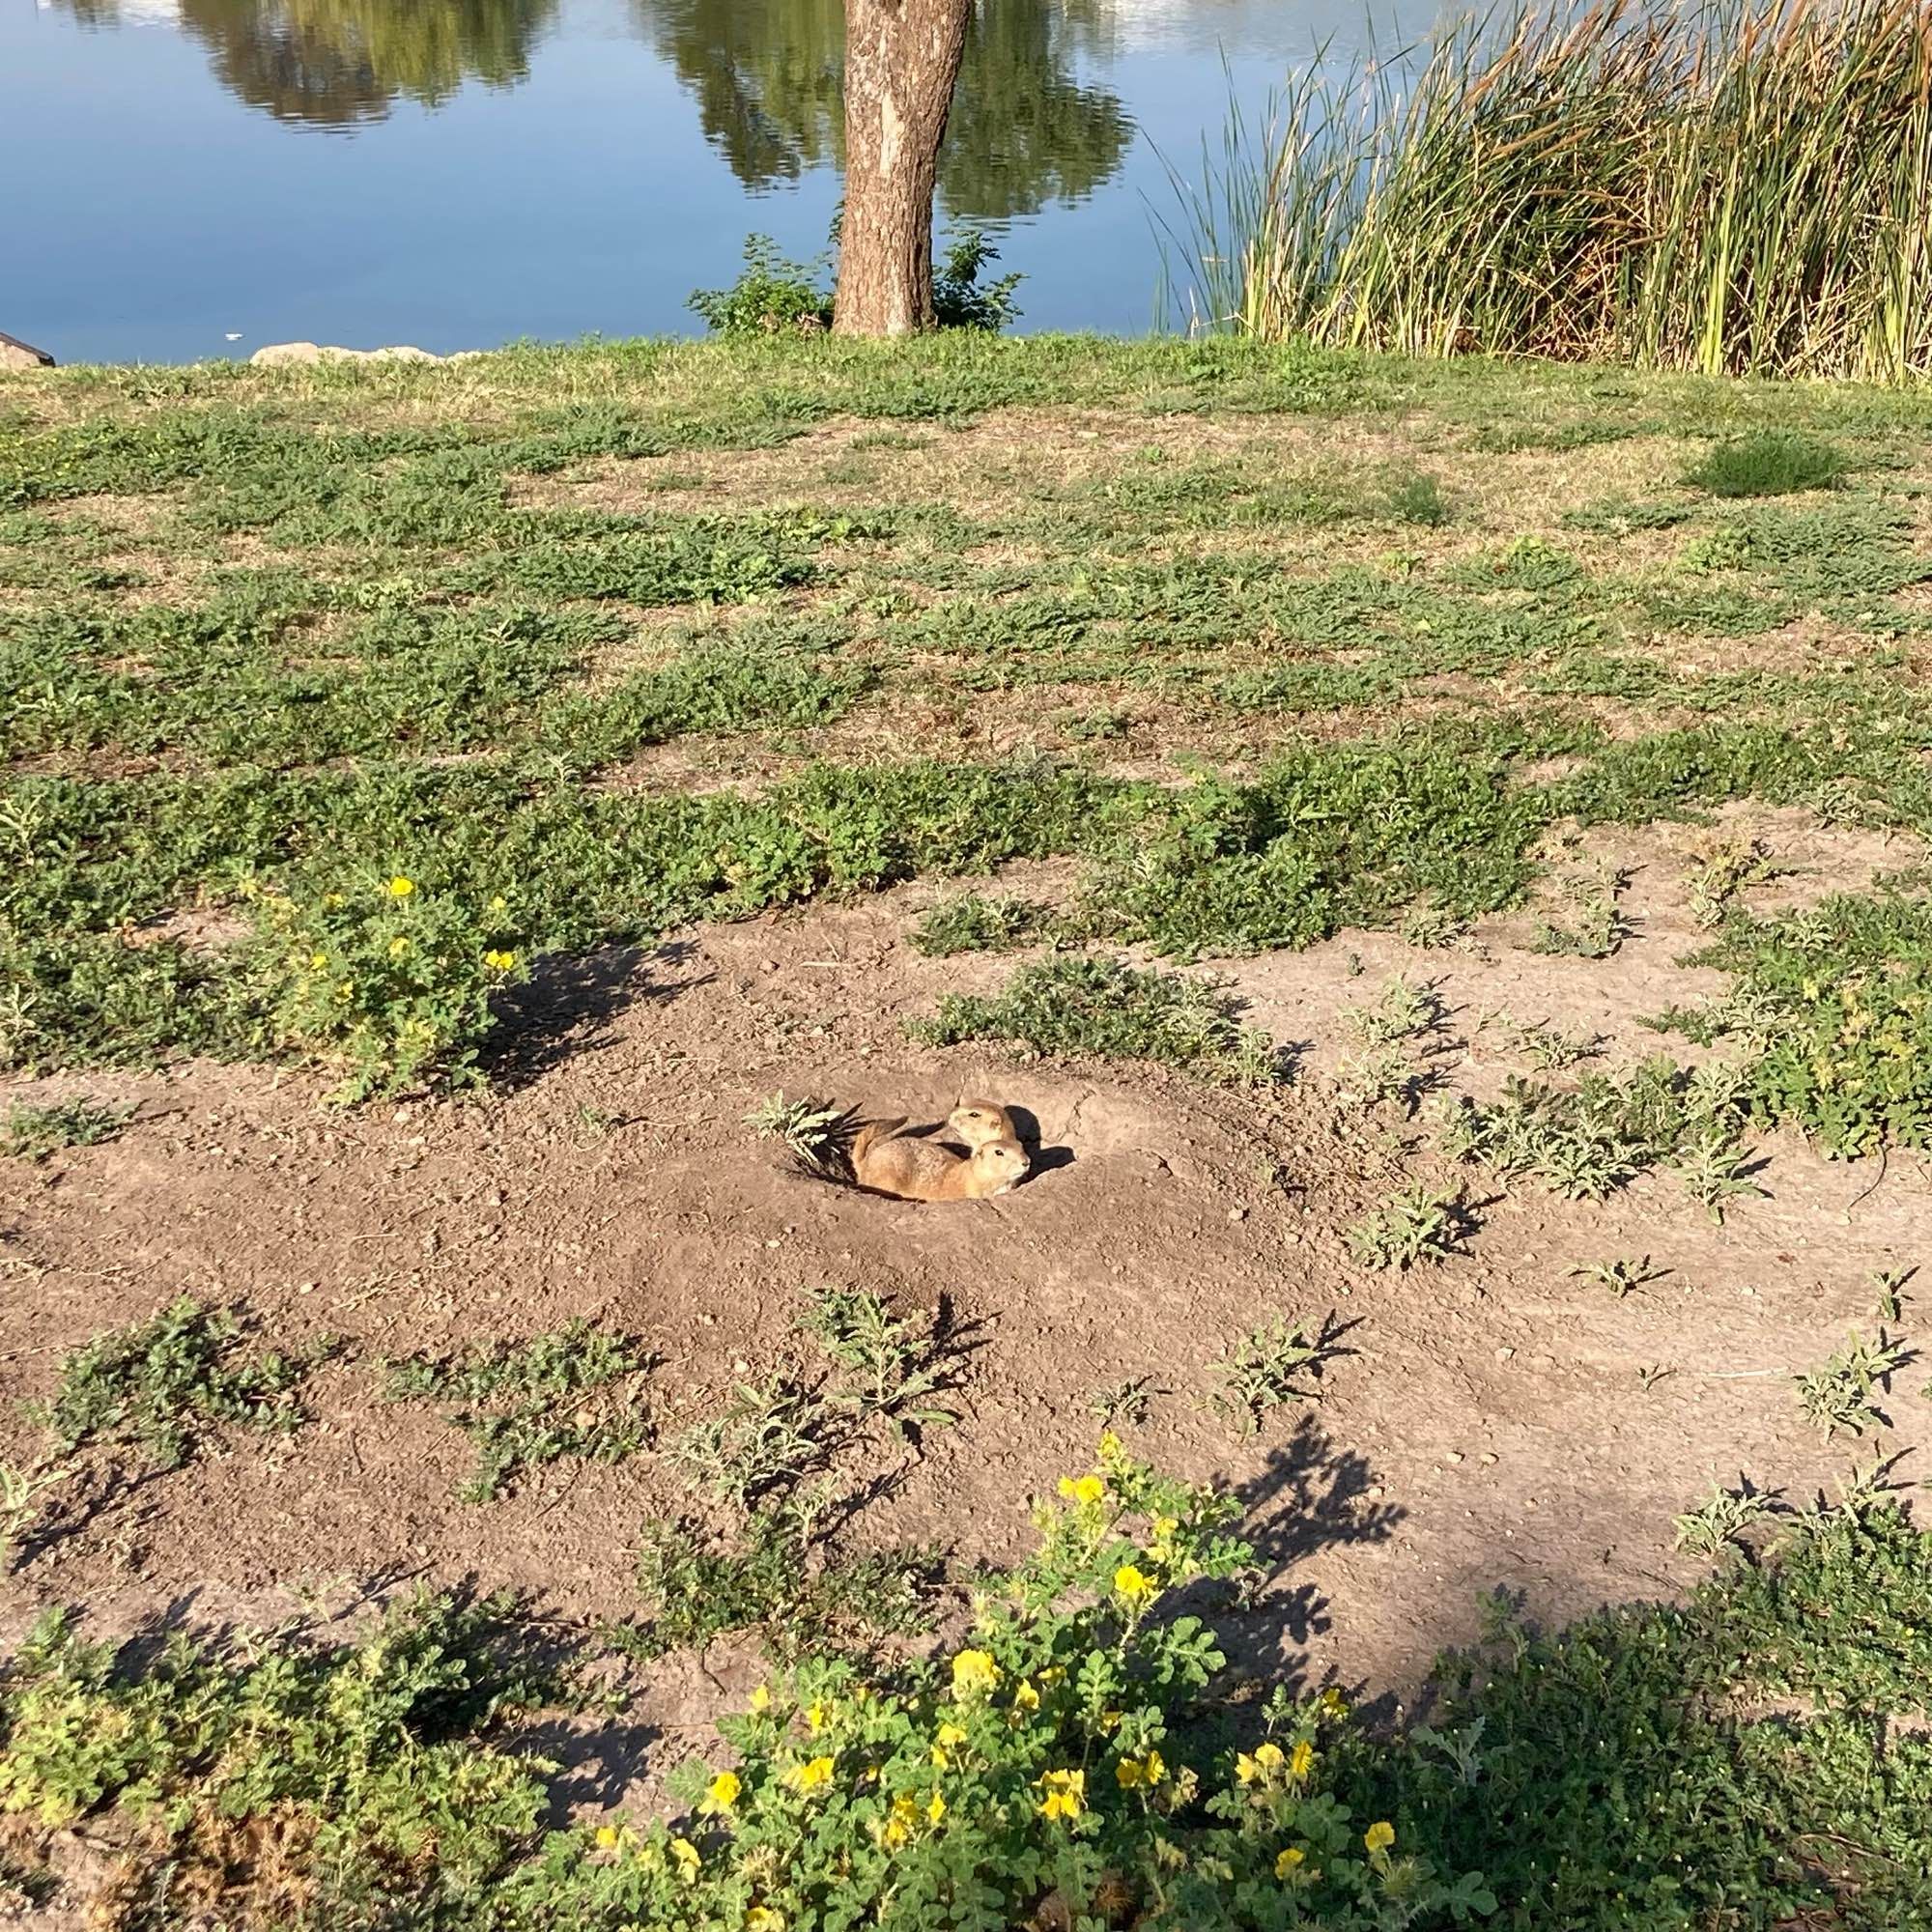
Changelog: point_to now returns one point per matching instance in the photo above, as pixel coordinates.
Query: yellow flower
(1083, 1489)
(498, 960)
(935, 1809)
(1025, 1696)
(761, 1701)
(1301, 1760)
(1066, 1793)
(607, 1837)
(1285, 1865)
(942, 1749)
(1111, 1450)
(1379, 1836)
(812, 1776)
(815, 1715)
(401, 888)
(1333, 1704)
(500, 904)
(902, 1821)
(1132, 1772)
(1269, 1758)
(1135, 1585)
(974, 1674)
(317, 961)
(724, 1789)
(398, 947)
(1262, 1767)
(684, 1853)
(762, 1918)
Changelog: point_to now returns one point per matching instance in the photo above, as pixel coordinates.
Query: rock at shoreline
(282, 354)
(18, 354)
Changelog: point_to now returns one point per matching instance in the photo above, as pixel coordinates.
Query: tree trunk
(901, 59)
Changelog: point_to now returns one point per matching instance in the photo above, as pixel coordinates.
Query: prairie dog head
(978, 1121)
(1003, 1163)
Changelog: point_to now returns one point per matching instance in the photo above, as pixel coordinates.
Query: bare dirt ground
(1492, 1423)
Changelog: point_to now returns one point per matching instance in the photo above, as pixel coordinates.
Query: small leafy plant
(161, 1386)
(1622, 1276)
(1417, 498)
(959, 298)
(701, 1589)
(38, 1133)
(977, 923)
(1722, 872)
(390, 983)
(1597, 930)
(1838, 1394)
(894, 1366)
(570, 1392)
(1720, 1519)
(1398, 1011)
(817, 1134)
(1266, 1368)
(1715, 1175)
(1415, 1226)
(1099, 1006)
(1547, 1048)
(772, 296)
(1127, 1401)
(769, 1435)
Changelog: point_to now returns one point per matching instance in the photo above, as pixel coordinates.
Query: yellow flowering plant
(1035, 1756)
(390, 983)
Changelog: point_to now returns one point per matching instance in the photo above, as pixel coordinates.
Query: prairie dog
(917, 1169)
(978, 1121)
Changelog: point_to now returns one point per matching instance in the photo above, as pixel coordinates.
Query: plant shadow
(566, 1007)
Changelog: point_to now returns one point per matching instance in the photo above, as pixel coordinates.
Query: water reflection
(765, 74)
(766, 77)
(335, 62)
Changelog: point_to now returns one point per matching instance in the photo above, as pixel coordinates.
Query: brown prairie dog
(978, 1121)
(917, 1169)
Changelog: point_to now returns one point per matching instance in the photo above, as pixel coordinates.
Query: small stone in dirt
(1503, 1354)
(1488, 1455)
(1455, 1455)
(1238, 1213)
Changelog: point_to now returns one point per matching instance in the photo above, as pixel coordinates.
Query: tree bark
(901, 59)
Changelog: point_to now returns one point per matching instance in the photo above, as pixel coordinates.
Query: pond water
(196, 177)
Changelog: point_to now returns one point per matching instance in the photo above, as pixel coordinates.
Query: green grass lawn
(335, 700)
(504, 629)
